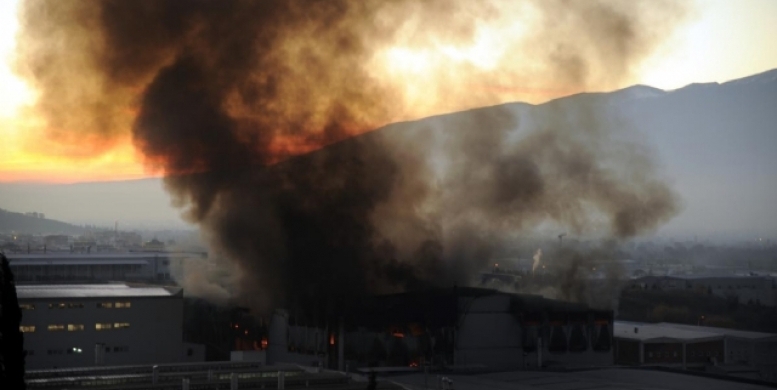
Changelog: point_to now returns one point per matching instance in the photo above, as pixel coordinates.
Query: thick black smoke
(222, 94)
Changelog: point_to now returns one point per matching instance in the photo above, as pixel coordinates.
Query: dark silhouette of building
(11, 338)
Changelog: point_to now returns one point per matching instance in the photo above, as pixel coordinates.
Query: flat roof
(59, 256)
(93, 291)
(657, 333)
(745, 334)
(77, 262)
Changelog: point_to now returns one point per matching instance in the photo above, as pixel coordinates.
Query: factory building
(101, 324)
(727, 351)
(650, 344)
(472, 327)
(97, 267)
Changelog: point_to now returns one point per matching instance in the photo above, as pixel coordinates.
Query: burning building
(226, 98)
(470, 328)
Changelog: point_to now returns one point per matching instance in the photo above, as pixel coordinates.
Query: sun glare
(15, 93)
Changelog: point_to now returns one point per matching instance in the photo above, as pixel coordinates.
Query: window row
(77, 305)
(76, 327)
(114, 305)
(69, 351)
(108, 325)
(75, 350)
(63, 305)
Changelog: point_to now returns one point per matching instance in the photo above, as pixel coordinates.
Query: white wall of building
(489, 335)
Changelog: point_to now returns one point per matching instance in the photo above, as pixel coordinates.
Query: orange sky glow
(722, 40)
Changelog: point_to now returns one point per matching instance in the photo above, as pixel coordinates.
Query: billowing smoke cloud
(220, 95)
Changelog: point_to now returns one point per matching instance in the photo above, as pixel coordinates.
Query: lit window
(57, 306)
(26, 306)
(74, 350)
(75, 305)
(27, 328)
(121, 325)
(99, 326)
(105, 305)
(123, 305)
(56, 327)
(75, 327)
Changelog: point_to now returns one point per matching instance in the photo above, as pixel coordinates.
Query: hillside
(20, 223)
(713, 142)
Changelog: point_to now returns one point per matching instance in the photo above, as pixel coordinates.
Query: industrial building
(727, 351)
(651, 344)
(98, 267)
(748, 290)
(102, 324)
(473, 327)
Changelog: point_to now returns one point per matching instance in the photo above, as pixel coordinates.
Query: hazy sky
(720, 40)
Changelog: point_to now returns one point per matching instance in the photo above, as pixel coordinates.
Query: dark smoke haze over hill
(222, 95)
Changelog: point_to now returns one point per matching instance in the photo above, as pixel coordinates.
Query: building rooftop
(64, 256)
(655, 333)
(745, 334)
(79, 262)
(93, 291)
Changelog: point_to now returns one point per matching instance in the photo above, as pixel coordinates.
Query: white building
(101, 324)
(719, 350)
(744, 348)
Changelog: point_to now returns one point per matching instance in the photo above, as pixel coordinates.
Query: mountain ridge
(713, 140)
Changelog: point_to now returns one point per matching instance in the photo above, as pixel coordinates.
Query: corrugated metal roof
(745, 334)
(77, 262)
(92, 291)
(655, 332)
(12, 257)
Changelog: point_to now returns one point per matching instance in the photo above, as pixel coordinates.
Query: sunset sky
(719, 41)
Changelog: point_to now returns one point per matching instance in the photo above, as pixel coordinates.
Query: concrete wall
(192, 353)
(154, 334)
(489, 335)
(280, 337)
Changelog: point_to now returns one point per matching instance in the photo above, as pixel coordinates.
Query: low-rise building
(696, 347)
(651, 344)
(102, 324)
(96, 267)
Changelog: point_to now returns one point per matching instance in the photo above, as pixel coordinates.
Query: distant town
(93, 298)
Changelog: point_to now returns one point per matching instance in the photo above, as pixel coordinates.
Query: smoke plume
(536, 258)
(225, 97)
